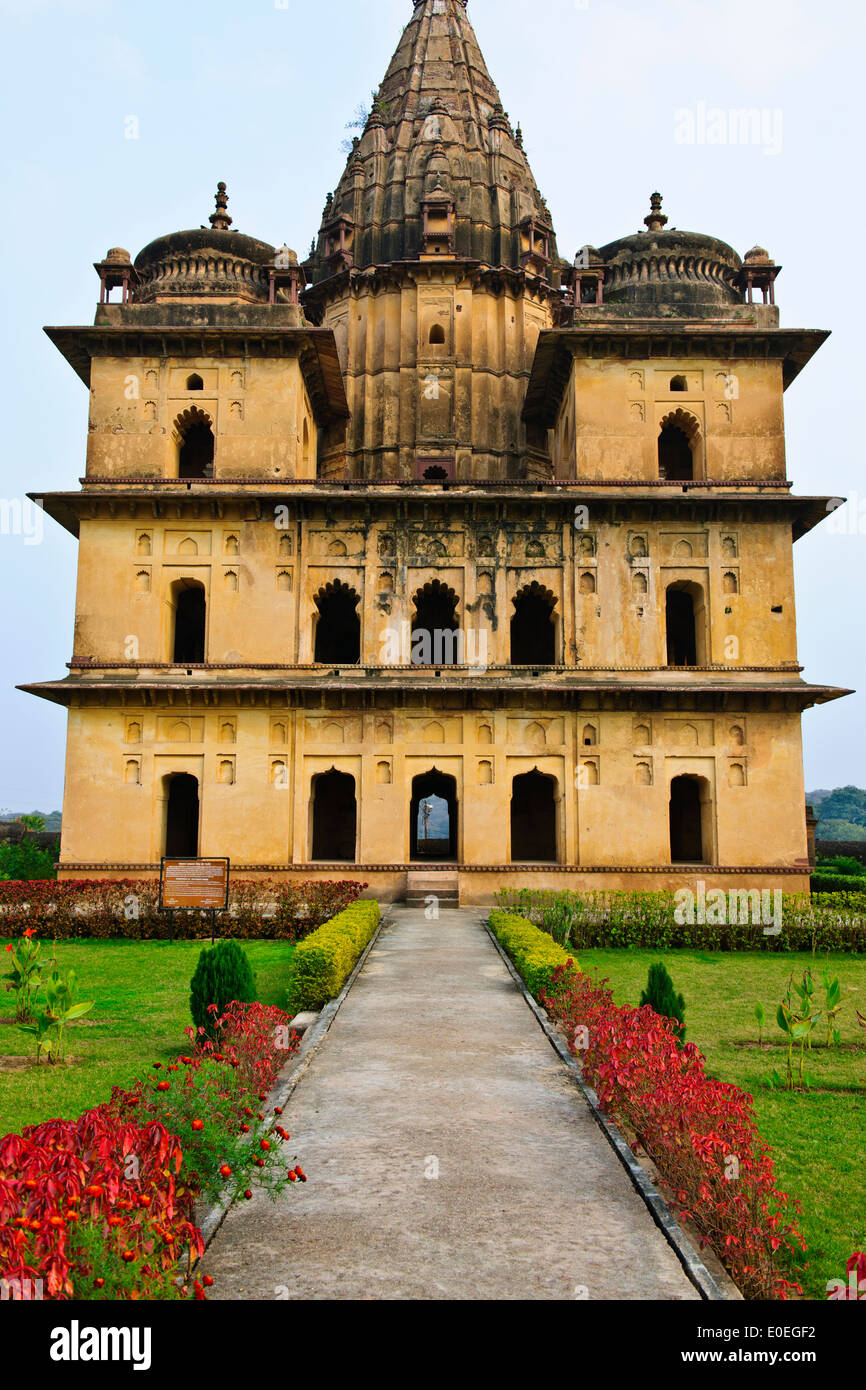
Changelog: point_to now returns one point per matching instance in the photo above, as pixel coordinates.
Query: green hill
(841, 813)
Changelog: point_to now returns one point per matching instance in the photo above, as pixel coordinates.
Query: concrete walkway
(435, 1064)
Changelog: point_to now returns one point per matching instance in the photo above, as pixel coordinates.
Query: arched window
(433, 817)
(435, 474)
(675, 455)
(181, 817)
(679, 447)
(533, 627)
(533, 819)
(195, 445)
(334, 816)
(684, 624)
(190, 617)
(679, 383)
(194, 383)
(337, 626)
(689, 807)
(435, 626)
(437, 335)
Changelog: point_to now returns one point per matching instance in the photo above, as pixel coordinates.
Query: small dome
(664, 269)
(757, 256)
(117, 255)
(210, 263)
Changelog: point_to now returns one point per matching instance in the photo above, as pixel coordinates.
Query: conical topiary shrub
(222, 975)
(661, 996)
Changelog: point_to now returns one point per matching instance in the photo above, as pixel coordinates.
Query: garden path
(449, 1154)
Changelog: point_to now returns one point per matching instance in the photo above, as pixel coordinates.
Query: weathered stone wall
(254, 757)
(258, 409)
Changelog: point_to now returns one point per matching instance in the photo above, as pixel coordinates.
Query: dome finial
(656, 222)
(220, 220)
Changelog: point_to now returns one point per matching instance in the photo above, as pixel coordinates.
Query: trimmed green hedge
(323, 962)
(583, 921)
(536, 956)
(839, 883)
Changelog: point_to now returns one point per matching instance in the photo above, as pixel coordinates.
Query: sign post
(198, 885)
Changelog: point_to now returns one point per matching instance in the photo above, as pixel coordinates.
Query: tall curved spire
(437, 122)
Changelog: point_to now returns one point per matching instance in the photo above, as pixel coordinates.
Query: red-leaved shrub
(103, 1207)
(700, 1133)
(128, 909)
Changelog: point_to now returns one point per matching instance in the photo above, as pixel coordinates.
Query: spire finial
(656, 222)
(220, 220)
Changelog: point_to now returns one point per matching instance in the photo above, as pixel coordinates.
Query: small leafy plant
(24, 978)
(832, 1006)
(797, 1027)
(61, 1008)
(761, 1018)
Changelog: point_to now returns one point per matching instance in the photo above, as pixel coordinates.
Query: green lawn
(141, 990)
(818, 1138)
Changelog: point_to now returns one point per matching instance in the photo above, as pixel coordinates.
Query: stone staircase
(422, 885)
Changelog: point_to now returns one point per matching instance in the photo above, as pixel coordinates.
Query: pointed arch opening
(533, 627)
(435, 626)
(181, 816)
(685, 624)
(690, 820)
(680, 447)
(194, 437)
(189, 604)
(334, 817)
(533, 819)
(337, 625)
(433, 825)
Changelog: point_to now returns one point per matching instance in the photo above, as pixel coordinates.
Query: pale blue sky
(251, 94)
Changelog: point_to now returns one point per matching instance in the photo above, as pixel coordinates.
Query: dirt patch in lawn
(25, 1063)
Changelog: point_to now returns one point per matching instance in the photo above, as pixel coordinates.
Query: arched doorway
(190, 615)
(334, 815)
(195, 443)
(684, 624)
(688, 833)
(338, 627)
(433, 831)
(533, 627)
(679, 447)
(435, 626)
(675, 455)
(182, 817)
(533, 819)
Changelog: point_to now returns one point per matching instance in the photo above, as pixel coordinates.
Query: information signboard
(197, 884)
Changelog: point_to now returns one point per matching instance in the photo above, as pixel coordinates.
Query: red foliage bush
(854, 1287)
(128, 909)
(700, 1133)
(103, 1206)
(59, 1178)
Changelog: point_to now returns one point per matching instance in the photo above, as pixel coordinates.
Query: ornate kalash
(437, 552)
